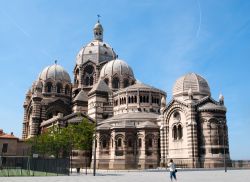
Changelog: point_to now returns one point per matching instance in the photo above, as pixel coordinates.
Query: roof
(118, 67)
(148, 124)
(141, 86)
(81, 96)
(54, 72)
(212, 107)
(130, 120)
(192, 81)
(100, 86)
(75, 117)
(96, 51)
(8, 136)
(132, 116)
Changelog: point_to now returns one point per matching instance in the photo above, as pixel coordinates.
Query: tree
(60, 141)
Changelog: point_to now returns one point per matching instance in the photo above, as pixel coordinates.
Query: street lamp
(223, 141)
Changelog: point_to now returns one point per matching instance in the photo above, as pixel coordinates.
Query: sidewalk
(143, 176)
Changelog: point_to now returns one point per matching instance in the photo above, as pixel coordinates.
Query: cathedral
(136, 126)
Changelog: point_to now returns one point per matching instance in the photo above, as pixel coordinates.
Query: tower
(90, 60)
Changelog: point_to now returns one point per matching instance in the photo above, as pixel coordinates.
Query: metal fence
(29, 166)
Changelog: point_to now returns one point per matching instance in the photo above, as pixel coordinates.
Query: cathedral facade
(136, 127)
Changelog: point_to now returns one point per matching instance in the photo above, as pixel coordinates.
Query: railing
(28, 166)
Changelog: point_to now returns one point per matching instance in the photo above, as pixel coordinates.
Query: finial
(55, 61)
(98, 18)
(190, 93)
(163, 101)
(221, 99)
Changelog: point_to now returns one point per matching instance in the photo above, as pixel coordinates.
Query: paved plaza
(150, 176)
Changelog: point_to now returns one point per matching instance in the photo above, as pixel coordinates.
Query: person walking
(172, 170)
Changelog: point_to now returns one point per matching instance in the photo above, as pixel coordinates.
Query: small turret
(98, 31)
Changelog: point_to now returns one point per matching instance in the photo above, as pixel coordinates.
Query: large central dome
(193, 81)
(96, 51)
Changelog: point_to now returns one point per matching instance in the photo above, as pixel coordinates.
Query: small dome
(54, 72)
(97, 52)
(193, 81)
(118, 67)
(98, 25)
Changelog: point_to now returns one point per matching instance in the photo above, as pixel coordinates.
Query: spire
(98, 30)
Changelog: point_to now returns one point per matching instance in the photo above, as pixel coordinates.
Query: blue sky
(160, 40)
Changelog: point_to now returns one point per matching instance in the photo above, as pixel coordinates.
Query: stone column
(142, 157)
(166, 144)
(80, 84)
(138, 98)
(112, 150)
(162, 142)
(192, 136)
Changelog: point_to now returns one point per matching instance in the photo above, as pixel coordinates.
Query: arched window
(150, 142)
(116, 83)
(144, 99)
(48, 87)
(135, 99)
(147, 99)
(174, 133)
(119, 142)
(87, 81)
(104, 143)
(128, 99)
(129, 142)
(91, 80)
(180, 132)
(88, 75)
(58, 88)
(125, 83)
(140, 99)
(66, 89)
(132, 99)
(139, 142)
